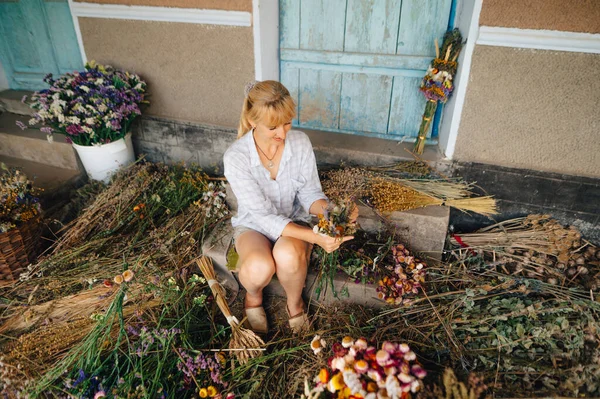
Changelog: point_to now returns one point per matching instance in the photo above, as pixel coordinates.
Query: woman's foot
(256, 319)
(254, 313)
(298, 320)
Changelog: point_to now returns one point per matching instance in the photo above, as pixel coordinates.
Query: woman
(273, 174)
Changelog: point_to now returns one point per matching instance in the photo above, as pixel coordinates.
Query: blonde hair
(268, 102)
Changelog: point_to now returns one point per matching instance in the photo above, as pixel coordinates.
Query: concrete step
(336, 148)
(49, 178)
(10, 101)
(32, 145)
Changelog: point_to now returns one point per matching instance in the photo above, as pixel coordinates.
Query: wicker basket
(18, 248)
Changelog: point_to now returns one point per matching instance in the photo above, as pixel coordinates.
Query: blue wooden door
(37, 37)
(355, 66)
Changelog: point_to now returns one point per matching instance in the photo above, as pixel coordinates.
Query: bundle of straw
(400, 195)
(244, 343)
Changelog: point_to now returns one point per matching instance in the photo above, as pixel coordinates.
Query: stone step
(10, 101)
(32, 145)
(217, 245)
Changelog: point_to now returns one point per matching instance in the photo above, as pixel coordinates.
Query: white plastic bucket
(100, 162)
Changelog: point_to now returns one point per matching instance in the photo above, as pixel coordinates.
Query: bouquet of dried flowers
(359, 370)
(403, 279)
(18, 199)
(92, 107)
(437, 84)
(334, 222)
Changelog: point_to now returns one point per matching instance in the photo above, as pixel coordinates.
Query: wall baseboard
(539, 39)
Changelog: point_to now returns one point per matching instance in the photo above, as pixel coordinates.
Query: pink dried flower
(383, 358)
(418, 371)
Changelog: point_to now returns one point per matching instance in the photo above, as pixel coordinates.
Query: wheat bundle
(80, 305)
(244, 343)
(389, 196)
(400, 195)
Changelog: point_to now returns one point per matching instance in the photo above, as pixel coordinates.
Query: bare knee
(290, 256)
(256, 270)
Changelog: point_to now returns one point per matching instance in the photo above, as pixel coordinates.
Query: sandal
(299, 323)
(256, 318)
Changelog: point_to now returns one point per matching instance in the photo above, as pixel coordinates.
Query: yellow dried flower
(128, 275)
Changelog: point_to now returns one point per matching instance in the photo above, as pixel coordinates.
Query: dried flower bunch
(437, 84)
(359, 370)
(387, 192)
(92, 107)
(536, 246)
(335, 220)
(404, 278)
(18, 199)
(346, 183)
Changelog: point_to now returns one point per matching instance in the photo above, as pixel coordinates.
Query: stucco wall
(532, 109)
(231, 5)
(194, 72)
(564, 15)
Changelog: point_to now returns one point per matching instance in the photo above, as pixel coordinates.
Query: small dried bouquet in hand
(334, 222)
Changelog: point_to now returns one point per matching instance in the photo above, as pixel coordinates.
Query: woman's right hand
(330, 244)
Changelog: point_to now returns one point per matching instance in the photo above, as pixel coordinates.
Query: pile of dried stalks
(535, 246)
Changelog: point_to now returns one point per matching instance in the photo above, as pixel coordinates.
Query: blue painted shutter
(36, 38)
(355, 66)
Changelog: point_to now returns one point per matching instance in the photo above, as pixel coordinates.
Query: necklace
(270, 164)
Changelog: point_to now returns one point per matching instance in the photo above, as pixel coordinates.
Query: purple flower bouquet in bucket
(91, 108)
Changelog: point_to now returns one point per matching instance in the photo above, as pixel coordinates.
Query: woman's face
(272, 134)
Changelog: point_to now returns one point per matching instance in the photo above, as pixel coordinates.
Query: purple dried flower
(47, 130)
(21, 125)
(24, 98)
(74, 130)
(79, 379)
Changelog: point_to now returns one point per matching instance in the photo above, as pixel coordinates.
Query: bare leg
(290, 256)
(257, 265)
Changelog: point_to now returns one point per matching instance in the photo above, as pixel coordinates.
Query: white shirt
(267, 205)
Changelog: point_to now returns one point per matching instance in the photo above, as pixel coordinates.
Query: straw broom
(389, 195)
(244, 343)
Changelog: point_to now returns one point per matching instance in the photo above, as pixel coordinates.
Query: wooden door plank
(365, 102)
(322, 24)
(372, 26)
(289, 24)
(421, 22)
(356, 59)
(290, 78)
(407, 107)
(62, 35)
(319, 98)
(18, 38)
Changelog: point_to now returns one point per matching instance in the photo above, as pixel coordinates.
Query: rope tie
(212, 282)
